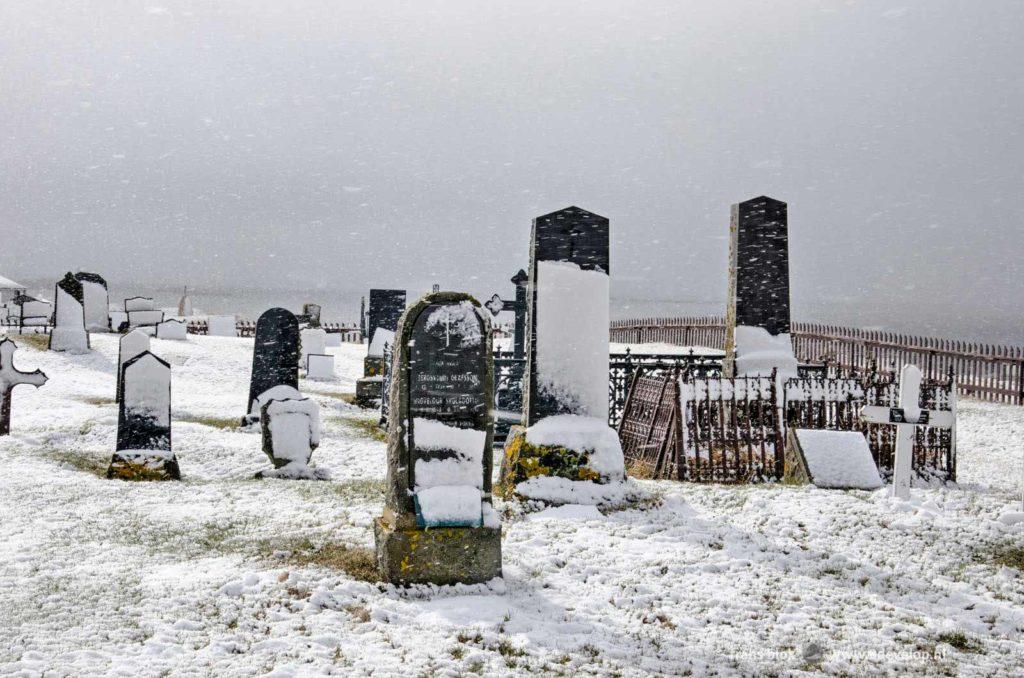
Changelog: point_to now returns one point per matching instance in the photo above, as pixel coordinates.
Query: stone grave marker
(906, 417)
(175, 330)
(830, 459)
(95, 301)
(291, 431)
(757, 320)
(69, 333)
(138, 304)
(11, 376)
(313, 340)
(438, 525)
(386, 307)
(320, 367)
(221, 326)
(275, 357)
(118, 321)
(132, 344)
(144, 423)
(565, 410)
(311, 312)
(145, 319)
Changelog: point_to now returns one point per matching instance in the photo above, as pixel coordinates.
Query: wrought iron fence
(247, 328)
(985, 371)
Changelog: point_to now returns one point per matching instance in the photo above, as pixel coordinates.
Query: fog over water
(269, 153)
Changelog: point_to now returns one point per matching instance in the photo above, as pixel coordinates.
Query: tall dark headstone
(438, 525)
(758, 295)
(69, 333)
(386, 307)
(568, 317)
(275, 356)
(144, 423)
(11, 376)
(95, 300)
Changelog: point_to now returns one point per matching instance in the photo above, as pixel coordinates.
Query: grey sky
(343, 145)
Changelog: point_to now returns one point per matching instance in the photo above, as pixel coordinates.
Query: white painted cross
(907, 417)
(11, 376)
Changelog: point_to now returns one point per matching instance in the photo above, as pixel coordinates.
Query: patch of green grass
(97, 466)
(188, 540)
(366, 490)
(349, 398)
(226, 423)
(38, 342)
(355, 561)
(365, 426)
(97, 400)
(1010, 556)
(959, 641)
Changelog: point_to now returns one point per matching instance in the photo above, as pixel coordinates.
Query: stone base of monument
(373, 366)
(69, 339)
(522, 460)
(295, 472)
(440, 555)
(140, 466)
(368, 390)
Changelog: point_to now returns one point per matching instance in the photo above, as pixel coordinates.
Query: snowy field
(222, 574)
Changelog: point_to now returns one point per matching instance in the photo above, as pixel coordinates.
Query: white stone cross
(11, 376)
(907, 417)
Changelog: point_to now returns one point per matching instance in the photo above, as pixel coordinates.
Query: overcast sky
(343, 145)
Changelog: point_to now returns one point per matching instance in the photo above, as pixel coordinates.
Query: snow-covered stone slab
(95, 301)
(320, 367)
(145, 318)
(69, 333)
(291, 432)
(144, 422)
(312, 340)
(831, 459)
(221, 326)
(138, 304)
(130, 345)
(172, 329)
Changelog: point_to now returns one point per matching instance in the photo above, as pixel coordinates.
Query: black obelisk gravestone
(275, 357)
(579, 239)
(438, 525)
(144, 423)
(758, 293)
(386, 307)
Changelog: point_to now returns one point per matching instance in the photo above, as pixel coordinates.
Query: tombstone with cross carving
(11, 376)
(906, 417)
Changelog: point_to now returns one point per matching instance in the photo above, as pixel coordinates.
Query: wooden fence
(984, 371)
(247, 328)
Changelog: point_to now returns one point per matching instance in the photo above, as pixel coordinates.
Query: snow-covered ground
(222, 574)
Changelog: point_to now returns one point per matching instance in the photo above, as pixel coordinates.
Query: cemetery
(719, 478)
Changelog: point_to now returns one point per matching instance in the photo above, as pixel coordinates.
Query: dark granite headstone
(11, 376)
(69, 333)
(386, 307)
(439, 448)
(573, 236)
(144, 422)
(275, 356)
(758, 270)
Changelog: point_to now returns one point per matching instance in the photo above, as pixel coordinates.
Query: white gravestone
(132, 344)
(312, 341)
(221, 326)
(907, 417)
(320, 367)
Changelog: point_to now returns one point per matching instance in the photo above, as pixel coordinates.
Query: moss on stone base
(143, 468)
(522, 461)
(441, 555)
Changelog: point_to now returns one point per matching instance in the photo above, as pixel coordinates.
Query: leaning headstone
(438, 525)
(11, 376)
(757, 321)
(96, 301)
(320, 367)
(831, 459)
(69, 333)
(275, 357)
(291, 431)
(386, 307)
(172, 329)
(221, 326)
(132, 344)
(566, 438)
(144, 423)
(313, 340)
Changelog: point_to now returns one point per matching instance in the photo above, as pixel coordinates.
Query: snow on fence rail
(984, 371)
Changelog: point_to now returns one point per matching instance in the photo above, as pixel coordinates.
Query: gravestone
(291, 431)
(565, 410)
(34, 312)
(95, 301)
(438, 525)
(144, 423)
(145, 318)
(69, 333)
(175, 330)
(138, 304)
(311, 312)
(320, 367)
(830, 459)
(118, 321)
(11, 376)
(312, 340)
(386, 307)
(132, 344)
(757, 315)
(221, 326)
(275, 357)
